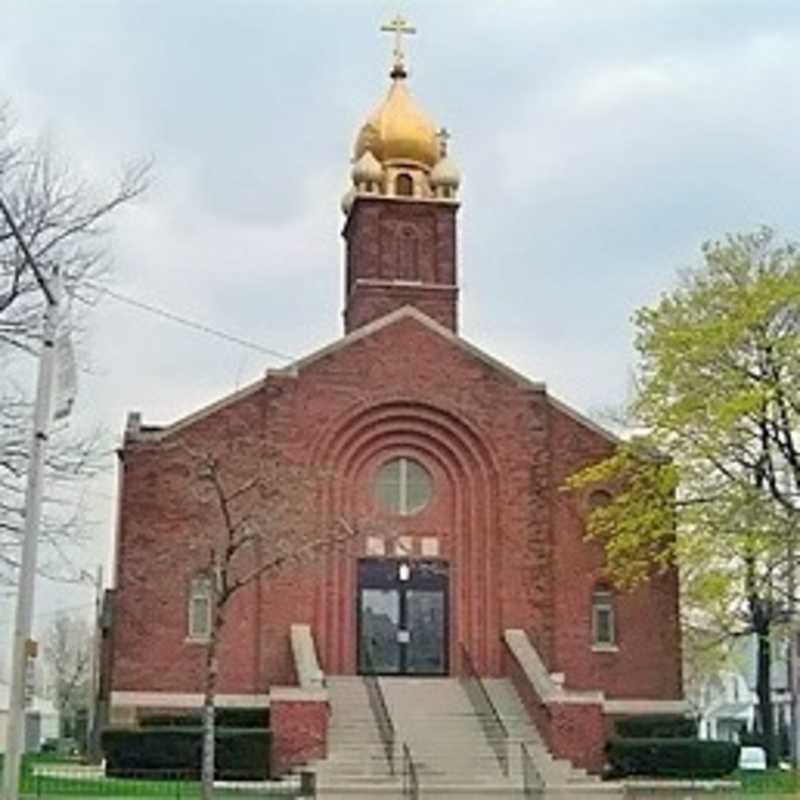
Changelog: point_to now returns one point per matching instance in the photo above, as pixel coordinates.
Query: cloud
(600, 144)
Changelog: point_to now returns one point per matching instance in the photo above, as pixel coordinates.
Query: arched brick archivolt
(463, 514)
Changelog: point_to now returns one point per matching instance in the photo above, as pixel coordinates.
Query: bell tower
(400, 231)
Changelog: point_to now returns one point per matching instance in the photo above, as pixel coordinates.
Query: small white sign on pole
(66, 376)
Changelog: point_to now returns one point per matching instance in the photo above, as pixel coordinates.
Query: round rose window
(403, 486)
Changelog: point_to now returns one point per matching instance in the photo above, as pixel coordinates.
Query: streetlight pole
(93, 733)
(22, 646)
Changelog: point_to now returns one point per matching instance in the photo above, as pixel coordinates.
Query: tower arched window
(408, 255)
(604, 634)
(404, 185)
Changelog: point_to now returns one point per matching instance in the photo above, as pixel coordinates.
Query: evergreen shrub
(672, 758)
(656, 726)
(176, 751)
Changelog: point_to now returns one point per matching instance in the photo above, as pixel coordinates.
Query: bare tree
(254, 528)
(63, 221)
(67, 656)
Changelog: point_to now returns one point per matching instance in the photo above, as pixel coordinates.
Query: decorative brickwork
(400, 252)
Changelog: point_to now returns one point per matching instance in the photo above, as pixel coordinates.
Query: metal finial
(443, 137)
(398, 26)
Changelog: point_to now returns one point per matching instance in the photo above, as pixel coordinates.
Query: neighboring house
(727, 700)
(41, 721)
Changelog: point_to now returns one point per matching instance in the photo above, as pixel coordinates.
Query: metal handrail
(380, 711)
(532, 781)
(493, 726)
(410, 777)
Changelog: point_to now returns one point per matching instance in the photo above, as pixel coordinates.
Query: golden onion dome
(398, 131)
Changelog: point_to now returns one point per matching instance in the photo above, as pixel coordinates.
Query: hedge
(656, 726)
(673, 758)
(240, 753)
(223, 718)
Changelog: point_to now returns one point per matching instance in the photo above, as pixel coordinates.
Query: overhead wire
(185, 321)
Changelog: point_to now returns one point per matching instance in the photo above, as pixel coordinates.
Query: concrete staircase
(357, 764)
(435, 717)
(559, 776)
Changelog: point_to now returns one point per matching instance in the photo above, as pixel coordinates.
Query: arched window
(403, 486)
(200, 603)
(404, 185)
(603, 623)
(408, 255)
(599, 498)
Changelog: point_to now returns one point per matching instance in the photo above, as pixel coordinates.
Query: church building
(468, 560)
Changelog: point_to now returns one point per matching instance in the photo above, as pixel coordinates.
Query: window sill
(196, 640)
(605, 648)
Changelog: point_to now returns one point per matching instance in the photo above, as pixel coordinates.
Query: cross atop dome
(398, 26)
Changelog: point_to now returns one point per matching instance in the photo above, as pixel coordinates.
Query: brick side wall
(570, 730)
(299, 733)
(645, 665)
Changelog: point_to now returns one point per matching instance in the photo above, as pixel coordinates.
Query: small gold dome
(367, 169)
(398, 131)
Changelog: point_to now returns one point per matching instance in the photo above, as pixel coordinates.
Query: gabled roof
(136, 431)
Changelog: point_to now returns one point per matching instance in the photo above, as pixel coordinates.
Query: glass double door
(402, 617)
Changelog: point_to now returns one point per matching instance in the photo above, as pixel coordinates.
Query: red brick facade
(498, 448)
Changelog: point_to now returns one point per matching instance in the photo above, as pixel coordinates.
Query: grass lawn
(89, 785)
(772, 782)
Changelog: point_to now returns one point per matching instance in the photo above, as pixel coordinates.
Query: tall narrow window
(603, 624)
(200, 608)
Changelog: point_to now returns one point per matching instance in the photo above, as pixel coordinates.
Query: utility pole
(22, 648)
(93, 734)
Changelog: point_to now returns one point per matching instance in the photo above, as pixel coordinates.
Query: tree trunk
(766, 717)
(207, 777)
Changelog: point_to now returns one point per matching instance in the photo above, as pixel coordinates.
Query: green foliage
(240, 753)
(712, 488)
(672, 758)
(656, 726)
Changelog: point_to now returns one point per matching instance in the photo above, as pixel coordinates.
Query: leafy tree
(64, 223)
(714, 485)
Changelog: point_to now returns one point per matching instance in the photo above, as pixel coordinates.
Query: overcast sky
(601, 142)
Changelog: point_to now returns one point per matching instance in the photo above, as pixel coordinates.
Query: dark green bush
(223, 717)
(242, 718)
(672, 758)
(241, 753)
(192, 720)
(656, 726)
